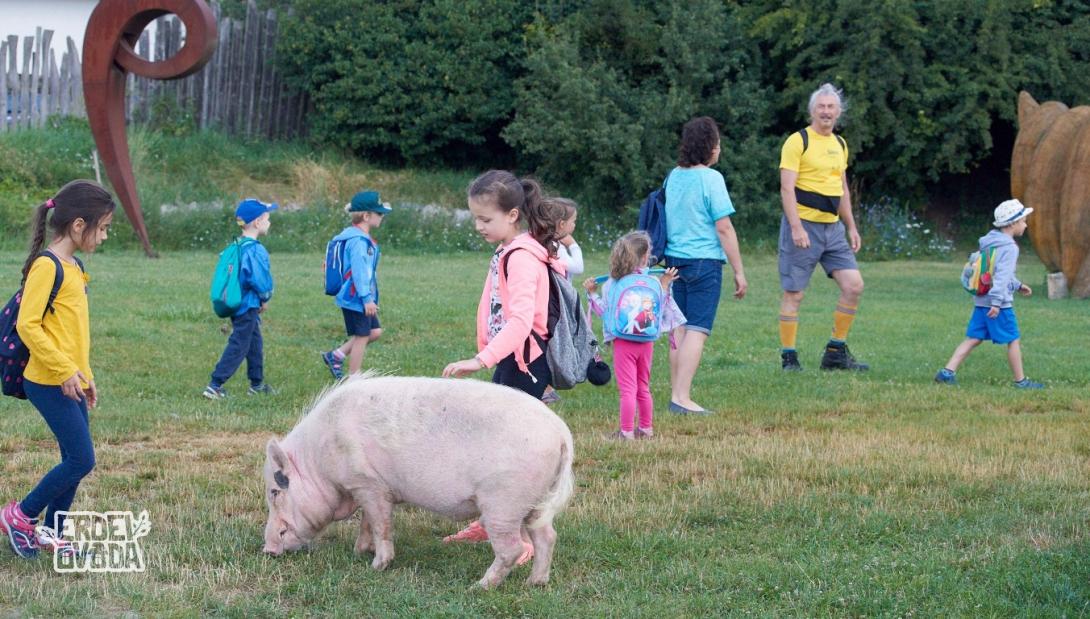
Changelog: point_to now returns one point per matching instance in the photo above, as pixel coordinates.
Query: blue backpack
(633, 308)
(14, 354)
(653, 221)
(226, 290)
(338, 269)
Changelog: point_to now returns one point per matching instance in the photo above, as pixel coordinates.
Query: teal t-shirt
(695, 199)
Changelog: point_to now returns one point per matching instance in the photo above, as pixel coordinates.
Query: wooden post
(3, 87)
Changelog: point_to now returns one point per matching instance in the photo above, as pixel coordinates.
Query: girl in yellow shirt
(58, 379)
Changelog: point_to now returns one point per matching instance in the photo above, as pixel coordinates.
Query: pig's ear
(276, 455)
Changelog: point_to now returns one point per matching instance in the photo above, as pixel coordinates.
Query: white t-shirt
(572, 257)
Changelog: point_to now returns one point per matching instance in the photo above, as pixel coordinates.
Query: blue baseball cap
(367, 201)
(252, 208)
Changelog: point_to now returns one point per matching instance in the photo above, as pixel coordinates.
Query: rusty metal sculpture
(108, 58)
(1050, 172)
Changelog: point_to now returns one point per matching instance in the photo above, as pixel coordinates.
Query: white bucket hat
(1010, 212)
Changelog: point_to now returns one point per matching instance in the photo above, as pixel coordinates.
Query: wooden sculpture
(108, 58)
(1050, 172)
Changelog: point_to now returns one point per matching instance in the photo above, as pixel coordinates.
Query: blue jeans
(244, 343)
(697, 290)
(69, 423)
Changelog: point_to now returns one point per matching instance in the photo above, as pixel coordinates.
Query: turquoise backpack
(634, 308)
(226, 290)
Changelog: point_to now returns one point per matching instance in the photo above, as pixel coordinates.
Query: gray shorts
(828, 245)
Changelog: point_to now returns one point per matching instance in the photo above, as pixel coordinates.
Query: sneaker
(790, 360)
(1026, 383)
(838, 357)
(642, 434)
(946, 377)
(262, 389)
(50, 541)
(621, 435)
(473, 533)
(20, 531)
(550, 397)
(335, 366)
(214, 393)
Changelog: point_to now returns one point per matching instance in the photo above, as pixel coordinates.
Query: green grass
(805, 495)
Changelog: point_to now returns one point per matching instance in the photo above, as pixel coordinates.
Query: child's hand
(1025, 290)
(71, 387)
(590, 285)
(993, 312)
(566, 240)
(264, 306)
(370, 309)
(461, 368)
(668, 277)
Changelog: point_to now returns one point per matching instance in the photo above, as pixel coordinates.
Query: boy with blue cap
(255, 278)
(993, 312)
(355, 255)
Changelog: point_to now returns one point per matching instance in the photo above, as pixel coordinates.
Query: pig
(457, 447)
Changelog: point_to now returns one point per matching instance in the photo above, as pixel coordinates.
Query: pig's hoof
(538, 581)
(380, 564)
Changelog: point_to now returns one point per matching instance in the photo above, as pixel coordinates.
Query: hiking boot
(790, 360)
(946, 377)
(838, 357)
(214, 393)
(262, 389)
(50, 541)
(20, 531)
(335, 366)
(1026, 383)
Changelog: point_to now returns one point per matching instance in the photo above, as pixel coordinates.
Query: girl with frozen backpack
(636, 308)
(53, 324)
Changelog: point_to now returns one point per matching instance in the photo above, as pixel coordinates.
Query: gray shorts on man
(828, 246)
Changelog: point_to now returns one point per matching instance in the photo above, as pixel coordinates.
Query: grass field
(806, 495)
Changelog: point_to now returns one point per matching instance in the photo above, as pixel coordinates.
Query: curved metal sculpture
(1050, 172)
(108, 58)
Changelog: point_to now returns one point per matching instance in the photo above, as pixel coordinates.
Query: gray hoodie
(1004, 282)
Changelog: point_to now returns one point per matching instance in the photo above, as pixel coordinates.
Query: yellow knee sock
(842, 321)
(789, 330)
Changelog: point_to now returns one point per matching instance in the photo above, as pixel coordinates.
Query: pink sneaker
(473, 533)
(50, 541)
(20, 531)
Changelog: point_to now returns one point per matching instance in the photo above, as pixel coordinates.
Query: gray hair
(827, 90)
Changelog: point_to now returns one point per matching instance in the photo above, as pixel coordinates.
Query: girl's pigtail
(37, 235)
(541, 215)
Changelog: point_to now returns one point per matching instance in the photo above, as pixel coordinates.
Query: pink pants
(632, 365)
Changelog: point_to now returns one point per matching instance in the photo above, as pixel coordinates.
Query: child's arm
(574, 260)
(523, 270)
(594, 300)
(362, 262)
(39, 283)
(256, 273)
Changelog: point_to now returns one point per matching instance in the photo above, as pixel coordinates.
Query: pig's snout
(274, 550)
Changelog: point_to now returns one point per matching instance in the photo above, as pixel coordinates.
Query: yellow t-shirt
(821, 169)
(59, 342)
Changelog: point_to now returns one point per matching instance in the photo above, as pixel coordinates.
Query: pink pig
(460, 448)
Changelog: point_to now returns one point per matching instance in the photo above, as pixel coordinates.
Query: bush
(891, 231)
(608, 88)
(420, 82)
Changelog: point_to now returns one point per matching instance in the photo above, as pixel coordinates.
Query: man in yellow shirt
(818, 227)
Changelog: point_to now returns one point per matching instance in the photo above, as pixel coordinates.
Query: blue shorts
(359, 323)
(697, 290)
(1003, 329)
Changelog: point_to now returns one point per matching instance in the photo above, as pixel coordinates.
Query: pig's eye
(274, 492)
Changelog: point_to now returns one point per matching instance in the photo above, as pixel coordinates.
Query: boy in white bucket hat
(993, 312)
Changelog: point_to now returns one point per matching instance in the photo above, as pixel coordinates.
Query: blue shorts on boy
(359, 323)
(1003, 329)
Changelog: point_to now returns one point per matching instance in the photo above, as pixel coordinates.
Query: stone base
(1057, 286)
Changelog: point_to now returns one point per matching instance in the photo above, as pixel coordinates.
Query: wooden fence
(239, 91)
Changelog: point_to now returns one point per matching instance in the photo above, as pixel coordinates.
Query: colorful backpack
(226, 290)
(633, 308)
(14, 354)
(977, 274)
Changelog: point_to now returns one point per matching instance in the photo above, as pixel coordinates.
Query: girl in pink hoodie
(513, 311)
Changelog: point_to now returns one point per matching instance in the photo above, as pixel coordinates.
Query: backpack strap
(806, 140)
(58, 279)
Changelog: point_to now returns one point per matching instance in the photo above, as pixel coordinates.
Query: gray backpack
(571, 347)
